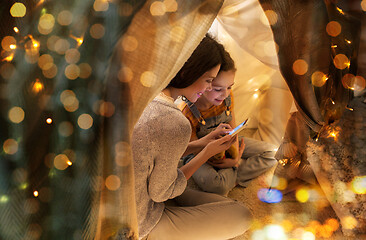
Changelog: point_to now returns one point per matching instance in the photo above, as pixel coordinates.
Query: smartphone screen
(238, 128)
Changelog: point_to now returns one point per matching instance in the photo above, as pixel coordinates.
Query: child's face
(221, 87)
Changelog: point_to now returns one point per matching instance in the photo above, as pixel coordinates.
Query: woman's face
(221, 87)
(202, 84)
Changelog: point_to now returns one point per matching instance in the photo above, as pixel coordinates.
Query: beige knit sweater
(159, 139)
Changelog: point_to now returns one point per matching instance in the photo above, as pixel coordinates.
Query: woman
(221, 173)
(159, 139)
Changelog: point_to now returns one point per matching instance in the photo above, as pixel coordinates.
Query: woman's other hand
(228, 162)
(219, 145)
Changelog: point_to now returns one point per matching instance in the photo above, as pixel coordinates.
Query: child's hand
(220, 131)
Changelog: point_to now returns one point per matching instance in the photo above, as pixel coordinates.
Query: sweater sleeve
(169, 139)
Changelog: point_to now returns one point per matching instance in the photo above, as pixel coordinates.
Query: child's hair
(228, 63)
(208, 54)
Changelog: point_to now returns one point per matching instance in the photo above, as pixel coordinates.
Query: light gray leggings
(202, 216)
(258, 157)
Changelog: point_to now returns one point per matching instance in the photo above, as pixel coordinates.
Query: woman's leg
(213, 181)
(258, 157)
(202, 216)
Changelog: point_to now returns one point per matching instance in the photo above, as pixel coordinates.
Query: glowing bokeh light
(7, 42)
(126, 9)
(37, 86)
(101, 5)
(358, 185)
(157, 8)
(72, 71)
(129, 43)
(300, 67)
(269, 195)
(274, 232)
(61, 46)
(18, 10)
(271, 16)
(148, 79)
(97, 31)
(50, 70)
(45, 61)
(49, 120)
(308, 236)
(64, 18)
(69, 100)
(363, 5)
(171, 5)
(4, 199)
(112, 182)
(85, 121)
(85, 70)
(333, 28)
(9, 58)
(333, 223)
(16, 29)
(10, 146)
(358, 84)
(16, 114)
(35, 193)
(125, 74)
(177, 34)
(72, 55)
(61, 162)
(349, 222)
(318, 79)
(46, 24)
(302, 195)
(106, 109)
(341, 61)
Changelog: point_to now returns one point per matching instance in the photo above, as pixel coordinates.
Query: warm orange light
(12, 46)
(49, 120)
(35, 193)
(348, 41)
(16, 29)
(37, 86)
(9, 58)
(79, 40)
(340, 10)
(69, 163)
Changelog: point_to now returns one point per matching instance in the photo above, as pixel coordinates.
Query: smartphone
(238, 128)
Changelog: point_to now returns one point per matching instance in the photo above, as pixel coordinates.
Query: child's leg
(213, 181)
(258, 157)
(204, 216)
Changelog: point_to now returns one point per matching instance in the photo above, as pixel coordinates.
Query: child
(213, 108)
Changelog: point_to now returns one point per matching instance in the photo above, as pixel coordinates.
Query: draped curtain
(75, 77)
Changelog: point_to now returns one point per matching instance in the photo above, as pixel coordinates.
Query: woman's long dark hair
(208, 54)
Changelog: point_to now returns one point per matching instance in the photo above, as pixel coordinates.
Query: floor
(289, 219)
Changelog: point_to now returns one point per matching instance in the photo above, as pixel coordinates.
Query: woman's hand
(228, 162)
(219, 145)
